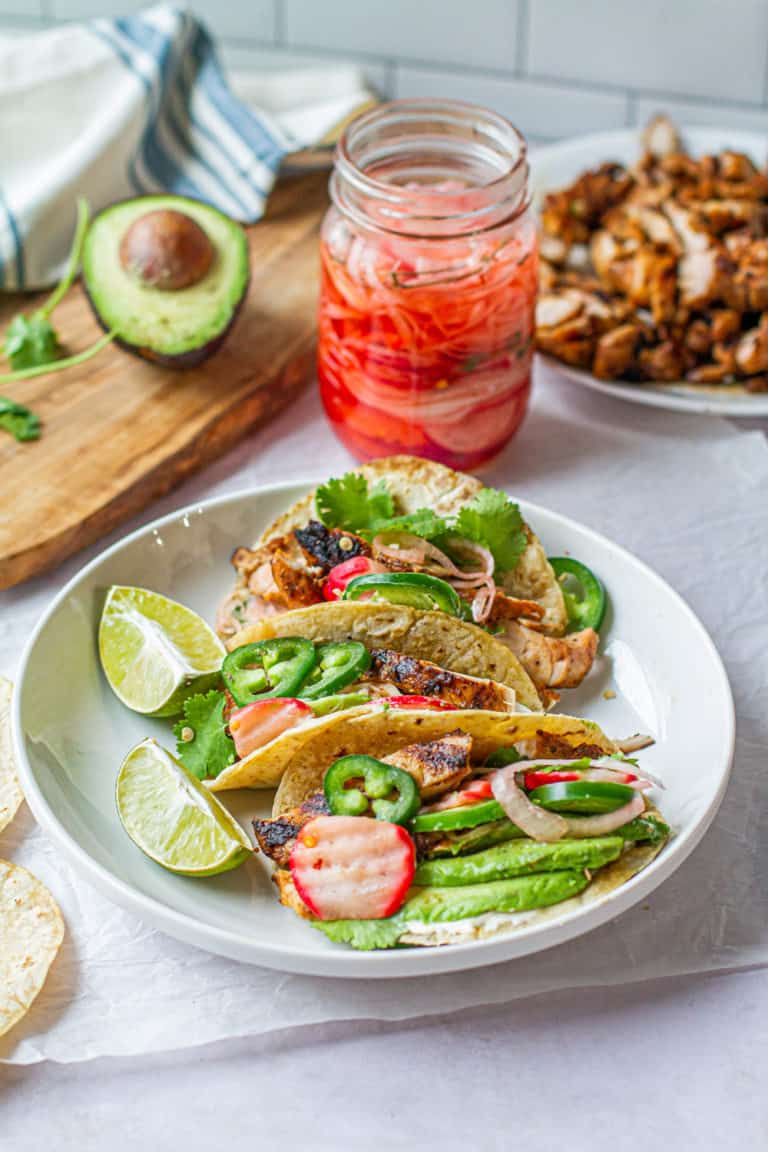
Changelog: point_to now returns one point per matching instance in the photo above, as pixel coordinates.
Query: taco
(397, 831)
(412, 534)
(277, 694)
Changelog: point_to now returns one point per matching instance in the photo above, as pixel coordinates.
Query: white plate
(71, 733)
(557, 165)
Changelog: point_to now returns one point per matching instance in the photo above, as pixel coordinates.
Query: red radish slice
(256, 724)
(339, 576)
(352, 868)
(469, 794)
(536, 822)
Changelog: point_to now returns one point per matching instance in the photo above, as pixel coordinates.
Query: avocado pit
(167, 250)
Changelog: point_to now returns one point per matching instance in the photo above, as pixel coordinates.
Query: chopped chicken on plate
(675, 284)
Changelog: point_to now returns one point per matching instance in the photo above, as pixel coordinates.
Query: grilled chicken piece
(296, 586)
(438, 765)
(751, 353)
(709, 374)
(275, 837)
(660, 138)
(423, 678)
(506, 607)
(757, 384)
(327, 547)
(571, 213)
(615, 351)
(287, 894)
(572, 342)
(552, 661)
(664, 361)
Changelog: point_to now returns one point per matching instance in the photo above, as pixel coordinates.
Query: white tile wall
(541, 111)
(701, 47)
(558, 67)
(482, 35)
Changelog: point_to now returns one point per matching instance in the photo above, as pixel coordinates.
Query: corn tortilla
(31, 932)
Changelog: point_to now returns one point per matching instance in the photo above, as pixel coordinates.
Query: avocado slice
(167, 275)
(519, 858)
(442, 905)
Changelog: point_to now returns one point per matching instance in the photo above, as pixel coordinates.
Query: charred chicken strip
(422, 678)
(437, 766)
(552, 661)
(275, 837)
(327, 547)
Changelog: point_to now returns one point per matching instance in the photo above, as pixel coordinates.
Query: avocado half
(167, 275)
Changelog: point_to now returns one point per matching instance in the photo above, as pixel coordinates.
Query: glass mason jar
(428, 283)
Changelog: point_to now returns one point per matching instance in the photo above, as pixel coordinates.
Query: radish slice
(535, 821)
(352, 868)
(471, 793)
(256, 724)
(581, 826)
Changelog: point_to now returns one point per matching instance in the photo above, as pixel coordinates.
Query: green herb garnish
(32, 344)
(348, 503)
(18, 420)
(490, 518)
(31, 341)
(202, 742)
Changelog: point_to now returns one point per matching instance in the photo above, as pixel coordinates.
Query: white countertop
(609, 1068)
(679, 1060)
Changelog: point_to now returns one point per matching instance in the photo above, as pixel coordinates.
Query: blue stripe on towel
(161, 51)
(239, 189)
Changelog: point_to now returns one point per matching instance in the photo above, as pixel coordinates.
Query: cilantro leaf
(209, 749)
(423, 522)
(492, 519)
(30, 341)
(349, 504)
(18, 420)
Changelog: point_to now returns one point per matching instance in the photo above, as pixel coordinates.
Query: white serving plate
(71, 733)
(557, 165)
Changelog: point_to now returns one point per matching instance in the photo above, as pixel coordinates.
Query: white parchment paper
(689, 496)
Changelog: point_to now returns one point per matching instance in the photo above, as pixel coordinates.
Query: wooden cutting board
(119, 432)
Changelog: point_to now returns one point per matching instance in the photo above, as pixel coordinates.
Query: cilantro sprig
(348, 503)
(202, 741)
(32, 346)
(490, 518)
(18, 420)
(31, 341)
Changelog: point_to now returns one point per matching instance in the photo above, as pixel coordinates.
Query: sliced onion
(483, 602)
(536, 822)
(606, 822)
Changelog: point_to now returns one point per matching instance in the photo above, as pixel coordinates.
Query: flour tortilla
(436, 636)
(416, 483)
(11, 794)
(31, 932)
(377, 733)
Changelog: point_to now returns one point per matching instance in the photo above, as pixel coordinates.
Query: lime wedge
(155, 652)
(173, 818)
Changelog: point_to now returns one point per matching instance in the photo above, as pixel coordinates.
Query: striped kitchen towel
(138, 105)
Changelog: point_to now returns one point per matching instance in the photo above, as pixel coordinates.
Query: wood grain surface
(119, 432)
